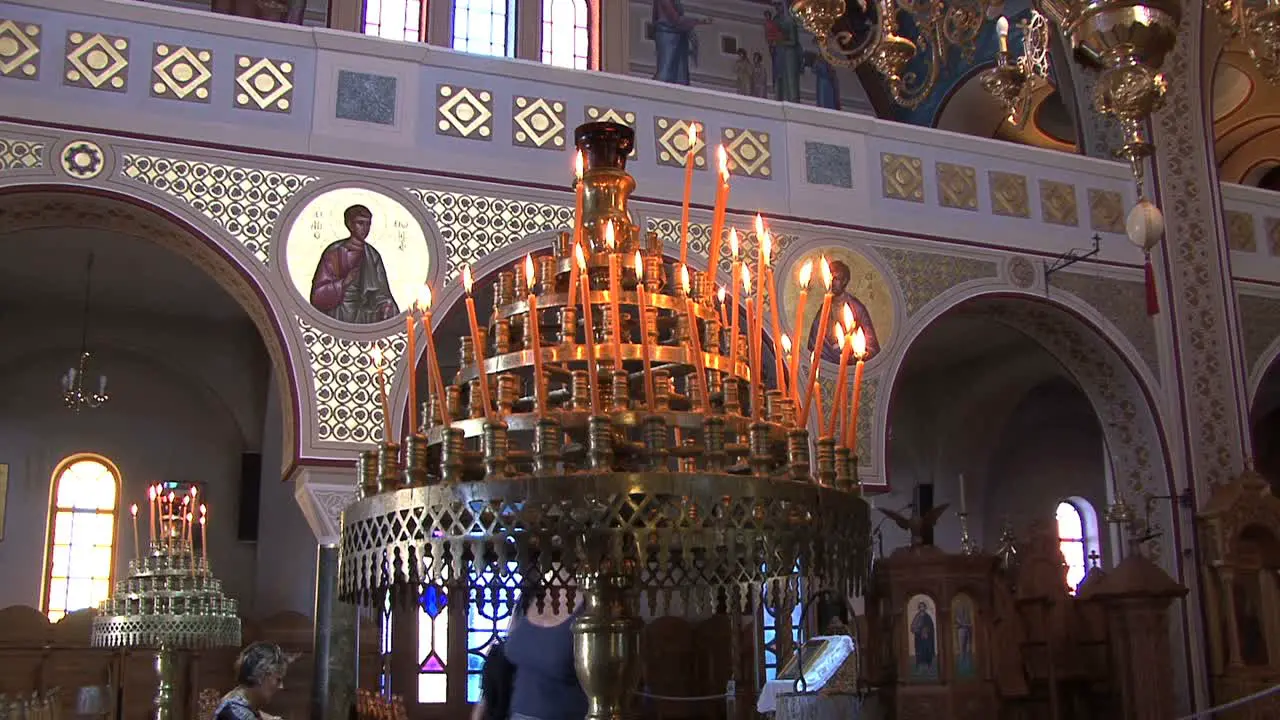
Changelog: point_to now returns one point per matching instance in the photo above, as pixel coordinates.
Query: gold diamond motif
(1009, 194)
(1106, 211)
(465, 113)
(748, 152)
(622, 117)
(957, 186)
(673, 142)
(264, 84)
(19, 49)
(97, 61)
(902, 177)
(1058, 203)
(181, 73)
(538, 123)
(1240, 235)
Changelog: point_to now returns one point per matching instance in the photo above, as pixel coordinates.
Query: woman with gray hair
(260, 673)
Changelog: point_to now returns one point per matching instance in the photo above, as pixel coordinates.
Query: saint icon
(924, 641)
(840, 276)
(350, 282)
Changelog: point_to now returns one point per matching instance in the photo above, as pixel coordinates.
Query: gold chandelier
(1256, 25)
(1016, 82)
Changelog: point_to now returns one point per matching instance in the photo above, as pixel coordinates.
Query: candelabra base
(606, 645)
(166, 675)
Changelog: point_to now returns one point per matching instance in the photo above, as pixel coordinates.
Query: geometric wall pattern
(473, 226)
(668, 230)
(20, 154)
(348, 401)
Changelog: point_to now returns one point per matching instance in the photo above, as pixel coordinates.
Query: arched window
(1077, 537)
(396, 19)
(566, 33)
(484, 27)
(79, 558)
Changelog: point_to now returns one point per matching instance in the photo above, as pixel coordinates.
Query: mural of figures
(789, 57)
(289, 11)
(759, 76)
(855, 282)
(922, 638)
(962, 614)
(358, 256)
(675, 42)
(827, 84)
(742, 73)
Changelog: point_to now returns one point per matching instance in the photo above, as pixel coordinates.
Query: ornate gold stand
(606, 644)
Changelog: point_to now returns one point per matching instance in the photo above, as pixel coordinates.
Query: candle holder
(967, 545)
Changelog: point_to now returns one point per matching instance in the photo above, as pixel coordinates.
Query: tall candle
(476, 345)
(689, 158)
(802, 280)
(410, 365)
(593, 372)
(133, 510)
(535, 341)
(721, 293)
(615, 289)
(645, 351)
(734, 281)
(717, 217)
(151, 513)
(375, 356)
(757, 331)
(751, 345)
(204, 538)
(1002, 33)
(169, 531)
(184, 521)
(695, 341)
(779, 365)
(964, 504)
(818, 341)
(577, 237)
(860, 352)
(787, 355)
(835, 424)
(433, 363)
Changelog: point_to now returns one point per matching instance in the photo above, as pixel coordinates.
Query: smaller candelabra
(74, 393)
(170, 601)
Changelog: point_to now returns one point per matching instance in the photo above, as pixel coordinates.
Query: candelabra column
(333, 673)
(606, 645)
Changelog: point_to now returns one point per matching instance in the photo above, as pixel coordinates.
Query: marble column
(334, 672)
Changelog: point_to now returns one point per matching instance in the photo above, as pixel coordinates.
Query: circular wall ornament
(1021, 272)
(82, 159)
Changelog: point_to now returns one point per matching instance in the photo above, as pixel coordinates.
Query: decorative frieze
(1058, 203)
(264, 84)
(1122, 302)
(1009, 194)
(347, 405)
(957, 186)
(474, 226)
(1106, 211)
(181, 73)
(749, 152)
(924, 276)
(672, 142)
(97, 61)
(18, 154)
(1240, 235)
(19, 50)
(464, 112)
(538, 123)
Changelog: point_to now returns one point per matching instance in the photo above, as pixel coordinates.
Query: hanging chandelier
(1016, 82)
(1255, 25)
(75, 395)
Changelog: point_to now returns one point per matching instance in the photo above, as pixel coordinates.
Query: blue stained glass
(434, 600)
(473, 688)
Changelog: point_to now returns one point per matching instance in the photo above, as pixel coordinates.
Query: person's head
(358, 219)
(260, 671)
(922, 607)
(840, 276)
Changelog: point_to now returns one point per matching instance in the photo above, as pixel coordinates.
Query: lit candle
(779, 366)
(477, 346)
(964, 504)
(721, 293)
(593, 372)
(816, 389)
(433, 364)
(151, 513)
(191, 528)
(577, 238)
(717, 217)
(788, 356)
(689, 159)
(835, 425)
(410, 362)
(818, 341)
(375, 355)
(699, 362)
(645, 352)
(133, 510)
(535, 341)
(860, 352)
(745, 274)
(169, 530)
(615, 288)
(757, 331)
(1002, 31)
(734, 281)
(806, 273)
(184, 522)
(204, 537)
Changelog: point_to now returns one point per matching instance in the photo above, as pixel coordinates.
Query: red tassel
(1153, 302)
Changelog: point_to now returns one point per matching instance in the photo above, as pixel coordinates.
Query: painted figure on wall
(772, 36)
(350, 282)
(742, 73)
(759, 76)
(962, 614)
(674, 41)
(1251, 633)
(288, 11)
(790, 57)
(827, 84)
(840, 276)
(922, 643)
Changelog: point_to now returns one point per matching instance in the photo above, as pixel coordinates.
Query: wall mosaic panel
(749, 152)
(1123, 302)
(1240, 235)
(16, 154)
(1106, 211)
(957, 186)
(473, 226)
(19, 50)
(924, 276)
(98, 62)
(464, 112)
(1273, 236)
(671, 144)
(902, 177)
(365, 97)
(181, 73)
(1058, 203)
(1009, 194)
(538, 123)
(347, 400)
(264, 84)
(826, 164)
(1260, 326)
(244, 201)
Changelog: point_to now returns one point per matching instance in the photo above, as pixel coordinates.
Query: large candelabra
(170, 602)
(616, 438)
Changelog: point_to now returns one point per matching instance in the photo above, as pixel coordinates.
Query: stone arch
(44, 205)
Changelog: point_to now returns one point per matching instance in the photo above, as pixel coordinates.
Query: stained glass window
(769, 632)
(1077, 537)
(488, 618)
(395, 19)
(566, 33)
(433, 646)
(81, 536)
(384, 647)
(484, 27)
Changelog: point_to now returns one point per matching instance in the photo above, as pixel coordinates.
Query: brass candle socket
(844, 473)
(713, 438)
(493, 443)
(568, 325)
(502, 336)
(367, 472)
(388, 466)
(547, 442)
(655, 441)
(415, 461)
(600, 442)
(761, 459)
(826, 461)
(581, 390)
(508, 393)
(661, 390)
(798, 454)
(452, 449)
(620, 393)
(606, 644)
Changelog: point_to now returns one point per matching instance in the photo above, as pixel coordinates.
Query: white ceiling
(46, 267)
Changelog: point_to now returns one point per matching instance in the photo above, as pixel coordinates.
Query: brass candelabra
(609, 445)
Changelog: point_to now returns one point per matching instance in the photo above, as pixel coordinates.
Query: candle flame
(188, 517)
(859, 344)
(766, 247)
(203, 510)
(582, 259)
(759, 225)
(202, 521)
(424, 297)
(806, 274)
(151, 492)
(528, 271)
(578, 164)
(194, 491)
(733, 242)
(170, 496)
(133, 510)
(838, 332)
(639, 260)
(848, 318)
(720, 294)
(186, 500)
(467, 282)
(786, 344)
(684, 278)
(841, 337)
(376, 357)
(825, 268)
(693, 137)
(746, 279)
(608, 235)
(723, 158)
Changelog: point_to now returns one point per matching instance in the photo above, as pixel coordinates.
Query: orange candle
(717, 217)
(787, 356)
(695, 341)
(835, 426)
(477, 346)
(802, 280)
(169, 531)
(615, 289)
(735, 280)
(757, 331)
(860, 352)
(645, 352)
(689, 160)
(593, 372)
(577, 235)
(818, 342)
(535, 340)
(133, 510)
(375, 355)
(720, 297)
(410, 365)
(204, 537)
(754, 370)
(779, 365)
(433, 363)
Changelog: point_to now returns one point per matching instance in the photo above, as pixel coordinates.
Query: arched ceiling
(1246, 119)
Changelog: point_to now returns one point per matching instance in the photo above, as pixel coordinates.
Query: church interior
(923, 359)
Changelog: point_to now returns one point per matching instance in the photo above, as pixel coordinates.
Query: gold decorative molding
(1009, 194)
(464, 112)
(538, 123)
(82, 159)
(1273, 236)
(347, 403)
(19, 50)
(1058, 203)
(1240, 234)
(1259, 326)
(473, 226)
(1106, 211)
(673, 142)
(957, 186)
(246, 202)
(594, 113)
(1123, 302)
(264, 84)
(924, 276)
(748, 151)
(97, 61)
(1022, 273)
(16, 154)
(181, 73)
(902, 177)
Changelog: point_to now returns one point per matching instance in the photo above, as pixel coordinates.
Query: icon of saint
(840, 276)
(350, 283)
(923, 635)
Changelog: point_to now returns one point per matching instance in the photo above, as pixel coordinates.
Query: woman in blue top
(539, 646)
